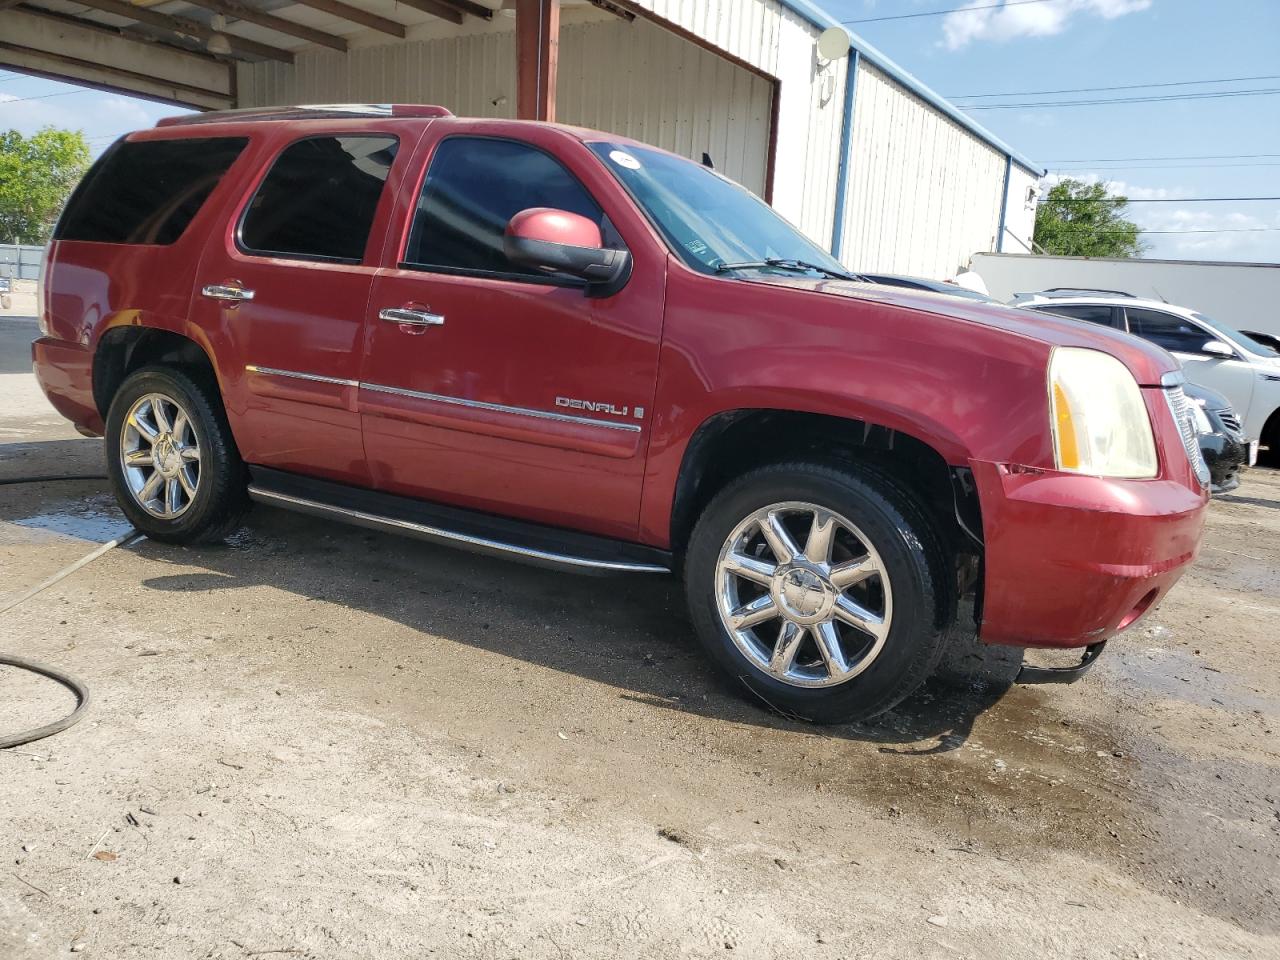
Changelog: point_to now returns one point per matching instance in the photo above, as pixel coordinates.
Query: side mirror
(557, 241)
(1216, 348)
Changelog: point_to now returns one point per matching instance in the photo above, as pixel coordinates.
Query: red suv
(563, 346)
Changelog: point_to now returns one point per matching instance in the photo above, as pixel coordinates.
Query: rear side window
(1093, 312)
(318, 200)
(147, 191)
(473, 188)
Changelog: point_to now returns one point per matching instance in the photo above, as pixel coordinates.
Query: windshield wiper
(784, 263)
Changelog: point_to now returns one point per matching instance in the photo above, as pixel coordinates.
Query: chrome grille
(1230, 420)
(1180, 407)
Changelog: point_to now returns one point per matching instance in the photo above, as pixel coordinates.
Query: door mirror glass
(1216, 348)
(557, 241)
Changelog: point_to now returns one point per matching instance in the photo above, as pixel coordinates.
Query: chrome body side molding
(501, 408)
(295, 375)
(452, 401)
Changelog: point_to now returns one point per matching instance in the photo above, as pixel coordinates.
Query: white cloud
(1120, 187)
(978, 20)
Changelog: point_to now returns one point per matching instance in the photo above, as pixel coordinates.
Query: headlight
(1201, 418)
(1100, 422)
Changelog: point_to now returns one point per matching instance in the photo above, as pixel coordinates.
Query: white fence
(20, 261)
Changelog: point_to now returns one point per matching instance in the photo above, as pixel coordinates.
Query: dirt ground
(319, 742)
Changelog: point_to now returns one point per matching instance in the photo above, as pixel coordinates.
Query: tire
(1271, 440)
(209, 495)
(881, 534)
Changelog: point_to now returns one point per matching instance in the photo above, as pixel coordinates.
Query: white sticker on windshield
(624, 159)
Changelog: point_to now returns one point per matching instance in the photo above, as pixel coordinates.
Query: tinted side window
(318, 200)
(1094, 313)
(473, 188)
(147, 191)
(1169, 331)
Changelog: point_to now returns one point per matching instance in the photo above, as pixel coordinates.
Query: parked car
(1212, 354)
(921, 283)
(1223, 443)
(6, 300)
(570, 348)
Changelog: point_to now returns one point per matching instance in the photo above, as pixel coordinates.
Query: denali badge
(594, 407)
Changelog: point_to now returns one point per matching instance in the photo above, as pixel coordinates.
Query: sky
(1020, 49)
(1071, 44)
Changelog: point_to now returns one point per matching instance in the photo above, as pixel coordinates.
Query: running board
(451, 526)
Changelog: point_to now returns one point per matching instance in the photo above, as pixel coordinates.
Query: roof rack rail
(315, 111)
(1084, 291)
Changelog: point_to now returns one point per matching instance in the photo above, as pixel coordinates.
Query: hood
(1146, 361)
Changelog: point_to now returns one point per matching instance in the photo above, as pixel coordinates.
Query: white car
(1212, 354)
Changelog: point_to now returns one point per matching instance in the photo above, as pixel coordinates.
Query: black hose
(70, 682)
(53, 477)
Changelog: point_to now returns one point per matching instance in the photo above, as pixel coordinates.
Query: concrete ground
(319, 742)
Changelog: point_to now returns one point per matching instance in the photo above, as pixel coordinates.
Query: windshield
(707, 219)
(1250, 344)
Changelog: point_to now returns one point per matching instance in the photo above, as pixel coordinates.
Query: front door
(494, 388)
(288, 285)
(1231, 377)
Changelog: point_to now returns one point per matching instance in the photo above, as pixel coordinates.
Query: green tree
(36, 176)
(1080, 219)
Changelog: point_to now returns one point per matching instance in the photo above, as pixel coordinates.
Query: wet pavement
(324, 742)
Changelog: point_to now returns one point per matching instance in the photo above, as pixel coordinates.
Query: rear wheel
(173, 464)
(820, 590)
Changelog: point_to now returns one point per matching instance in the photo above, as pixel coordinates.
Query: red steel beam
(537, 52)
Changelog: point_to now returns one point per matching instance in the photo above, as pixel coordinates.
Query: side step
(1030, 674)
(478, 532)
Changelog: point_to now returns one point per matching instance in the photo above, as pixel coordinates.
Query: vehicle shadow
(1253, 501)
(631, 633)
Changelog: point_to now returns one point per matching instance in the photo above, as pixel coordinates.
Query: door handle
(413, 318)
(231, 291)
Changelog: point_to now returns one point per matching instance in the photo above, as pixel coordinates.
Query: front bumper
(1072, 560)
(1226, 456)
(64, 370)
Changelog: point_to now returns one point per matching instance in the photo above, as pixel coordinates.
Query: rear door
(523, 397)
(288, 283)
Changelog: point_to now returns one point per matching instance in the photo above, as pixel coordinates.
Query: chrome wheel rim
(160, 456)
(803, 594)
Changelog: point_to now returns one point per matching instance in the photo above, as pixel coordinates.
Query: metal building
(855, 151)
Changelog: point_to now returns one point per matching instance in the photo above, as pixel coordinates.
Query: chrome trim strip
(448, 536)
(502, 408)
(1174, 378)
(295, 375)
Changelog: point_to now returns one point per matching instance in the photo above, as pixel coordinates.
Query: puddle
(1184, 677)
(94, 519)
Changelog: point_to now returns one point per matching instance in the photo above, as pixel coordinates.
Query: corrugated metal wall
(924, 193)
(645, 82)
(1020, 214)
(636, 79)
(780, 42)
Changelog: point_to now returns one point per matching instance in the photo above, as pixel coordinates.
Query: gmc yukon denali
(560, 345)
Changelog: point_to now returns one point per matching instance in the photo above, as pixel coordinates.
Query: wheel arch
(123, 348)
(729, 442)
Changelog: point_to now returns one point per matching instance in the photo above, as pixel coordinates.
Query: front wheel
(173, 464)
(821, 590)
